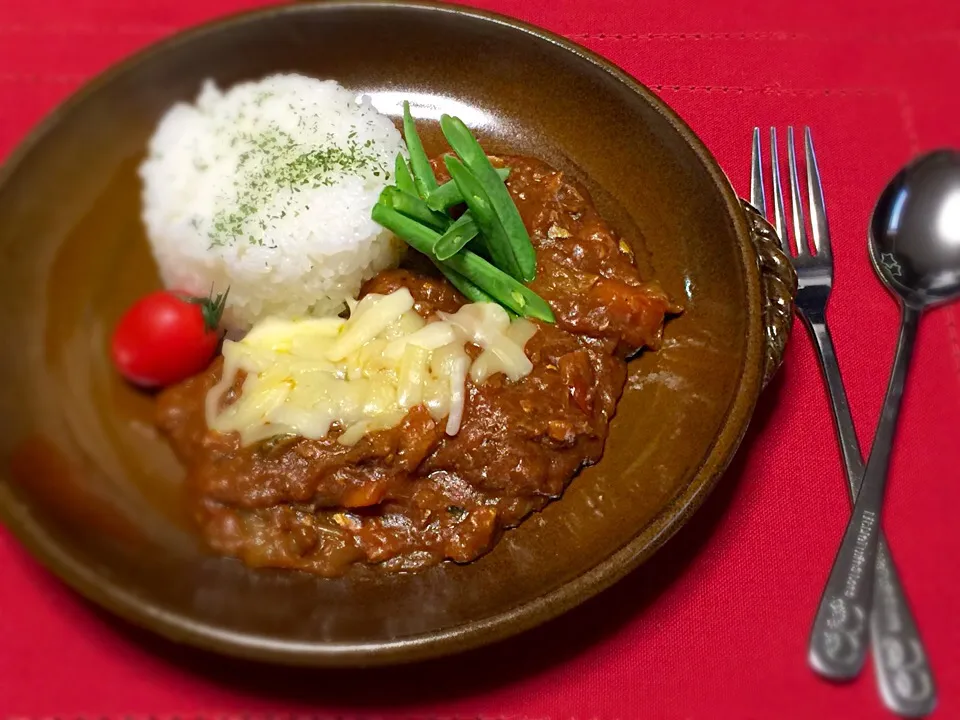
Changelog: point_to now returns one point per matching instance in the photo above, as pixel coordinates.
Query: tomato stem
(211, 307)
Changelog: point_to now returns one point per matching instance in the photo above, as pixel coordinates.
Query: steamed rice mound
(267, 189)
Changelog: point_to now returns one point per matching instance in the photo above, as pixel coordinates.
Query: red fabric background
(715, 626)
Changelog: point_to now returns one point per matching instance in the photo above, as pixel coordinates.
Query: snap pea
(477, 200)
(423, 176)
(415, 208)
(463, 230)
(448, 194)
(466, 146)
(404, 180)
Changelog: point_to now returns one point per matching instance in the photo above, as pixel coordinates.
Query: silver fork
(903, 674)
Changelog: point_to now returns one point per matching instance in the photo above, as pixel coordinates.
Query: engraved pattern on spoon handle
(903, 671)
(838, 643)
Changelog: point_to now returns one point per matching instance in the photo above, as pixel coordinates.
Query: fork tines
(818, 213)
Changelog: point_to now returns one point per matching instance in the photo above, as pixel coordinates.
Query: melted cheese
(303, 377)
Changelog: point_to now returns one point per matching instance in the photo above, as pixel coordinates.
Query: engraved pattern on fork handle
(838, 644)
(903, 674)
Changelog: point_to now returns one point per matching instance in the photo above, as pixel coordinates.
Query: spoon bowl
(915, 230)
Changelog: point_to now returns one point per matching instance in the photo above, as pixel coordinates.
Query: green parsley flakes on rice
(267, 188)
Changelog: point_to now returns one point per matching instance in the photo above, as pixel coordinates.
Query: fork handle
(838, 643)
(900, 661)
(843, 421)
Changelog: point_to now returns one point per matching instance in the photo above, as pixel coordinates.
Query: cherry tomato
(166, 337)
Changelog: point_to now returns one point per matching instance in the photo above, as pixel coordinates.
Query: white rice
(267, 189)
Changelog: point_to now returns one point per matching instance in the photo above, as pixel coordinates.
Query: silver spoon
(915, 250)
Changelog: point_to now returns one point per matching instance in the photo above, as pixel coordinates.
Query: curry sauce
(412, 496)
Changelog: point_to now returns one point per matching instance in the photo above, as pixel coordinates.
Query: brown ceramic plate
(95, 494)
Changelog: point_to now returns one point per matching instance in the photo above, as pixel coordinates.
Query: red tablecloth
(716, 625)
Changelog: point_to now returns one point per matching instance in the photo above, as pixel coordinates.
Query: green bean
(415, 208)
(500, 286)
(448, 194)
(417, 236)
(470, 291)
(423, 176)
(456, 236)
(482, 210)
(421, 238)
(403, 179)
(476, 160)
(507, 291)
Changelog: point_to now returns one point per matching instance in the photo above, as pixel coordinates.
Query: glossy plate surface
(92, 491)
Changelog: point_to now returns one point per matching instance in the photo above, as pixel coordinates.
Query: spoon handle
(904, 675)
(903, 671)
(838, 643)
